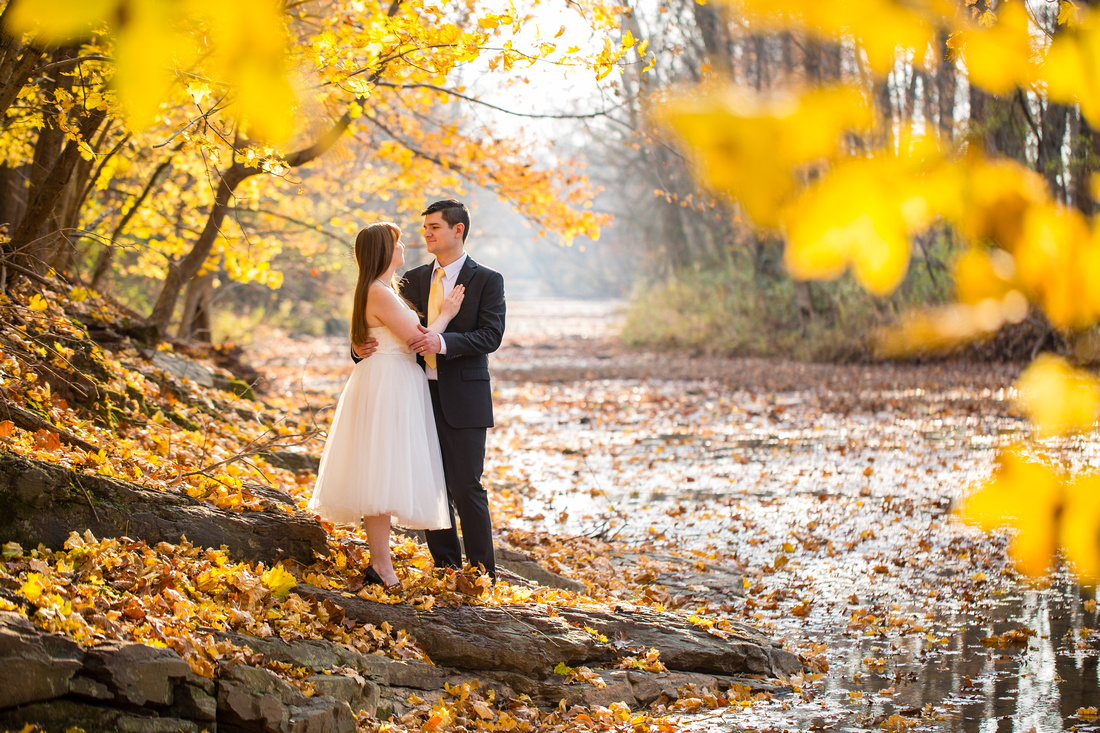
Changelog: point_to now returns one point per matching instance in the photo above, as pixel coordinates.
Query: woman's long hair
(373, 253)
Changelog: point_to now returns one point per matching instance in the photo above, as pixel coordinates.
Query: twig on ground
(254, 448)
(29, 421)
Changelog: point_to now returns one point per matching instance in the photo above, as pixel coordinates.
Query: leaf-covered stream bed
(827, 488)
(833, 499)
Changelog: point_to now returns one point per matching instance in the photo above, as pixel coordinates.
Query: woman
(381, 458)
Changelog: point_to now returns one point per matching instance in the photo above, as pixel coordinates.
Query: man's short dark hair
(453, 212)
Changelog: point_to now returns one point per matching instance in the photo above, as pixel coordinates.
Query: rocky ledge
(49, 681)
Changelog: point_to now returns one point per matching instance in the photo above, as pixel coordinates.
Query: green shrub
(722, 309)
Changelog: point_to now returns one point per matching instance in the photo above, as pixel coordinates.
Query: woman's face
(398, 254)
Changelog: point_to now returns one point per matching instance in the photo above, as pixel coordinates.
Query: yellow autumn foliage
(1071, 67)
(1024, 494)
(751, 145)
(1058, 398)
(829, 229)
(153, 39)
(880, 27)
(1080, 531)
(279, 581)
(999, 58)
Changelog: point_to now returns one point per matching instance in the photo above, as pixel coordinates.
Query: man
(459, 378)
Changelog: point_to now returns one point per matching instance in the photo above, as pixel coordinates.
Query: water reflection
(965, 688)
(977, 688)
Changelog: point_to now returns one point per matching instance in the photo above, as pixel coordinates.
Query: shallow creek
(835, 506)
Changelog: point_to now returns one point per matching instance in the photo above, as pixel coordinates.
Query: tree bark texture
(198, 305)
(44, 196)
(106, 252)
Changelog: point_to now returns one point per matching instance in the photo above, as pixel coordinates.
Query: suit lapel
(465, 275)
(425, 286)
(467, 272)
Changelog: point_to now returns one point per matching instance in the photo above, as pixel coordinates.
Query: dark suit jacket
(465, 394)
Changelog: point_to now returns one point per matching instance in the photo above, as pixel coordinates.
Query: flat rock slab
(532, 639)
(44, 503)
(381, 686)
(183, 368)
(739, 650)
(34, 666)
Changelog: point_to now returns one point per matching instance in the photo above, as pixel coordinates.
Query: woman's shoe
(371, 577)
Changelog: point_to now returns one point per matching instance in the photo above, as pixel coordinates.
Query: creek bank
(53, 682)
(50, 681)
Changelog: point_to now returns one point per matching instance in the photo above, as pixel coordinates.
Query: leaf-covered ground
(828, 488)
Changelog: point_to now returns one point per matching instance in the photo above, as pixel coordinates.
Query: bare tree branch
(304, 224)
(459, 95)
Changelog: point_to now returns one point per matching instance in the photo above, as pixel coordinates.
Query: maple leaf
(34, 587)
(279, 581)
(1068, 13)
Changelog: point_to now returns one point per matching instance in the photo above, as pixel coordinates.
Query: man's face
(440, 238)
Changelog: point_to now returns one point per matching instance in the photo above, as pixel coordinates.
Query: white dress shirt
(450, 278)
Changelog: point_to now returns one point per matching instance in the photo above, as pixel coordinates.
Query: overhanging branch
(474, 100)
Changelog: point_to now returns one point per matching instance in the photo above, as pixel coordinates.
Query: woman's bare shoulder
(385, 293)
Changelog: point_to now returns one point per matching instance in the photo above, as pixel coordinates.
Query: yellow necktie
(435, 304)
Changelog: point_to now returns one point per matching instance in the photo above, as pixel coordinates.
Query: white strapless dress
(382, 452)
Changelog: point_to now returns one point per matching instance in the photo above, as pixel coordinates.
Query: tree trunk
(998, 124)
(25, 242)
(885, 107)
(760, 52)
(1085, 154)
(909, 102)
(946, 87)
(712, 31)
(1084, 161)
(17, 62)
(13, 194)
(804, 303)
(1053, 127)
(67, 213)
(60, 231)
(182, 272)
(198, 308)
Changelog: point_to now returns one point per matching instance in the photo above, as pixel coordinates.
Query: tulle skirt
(382, 453)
